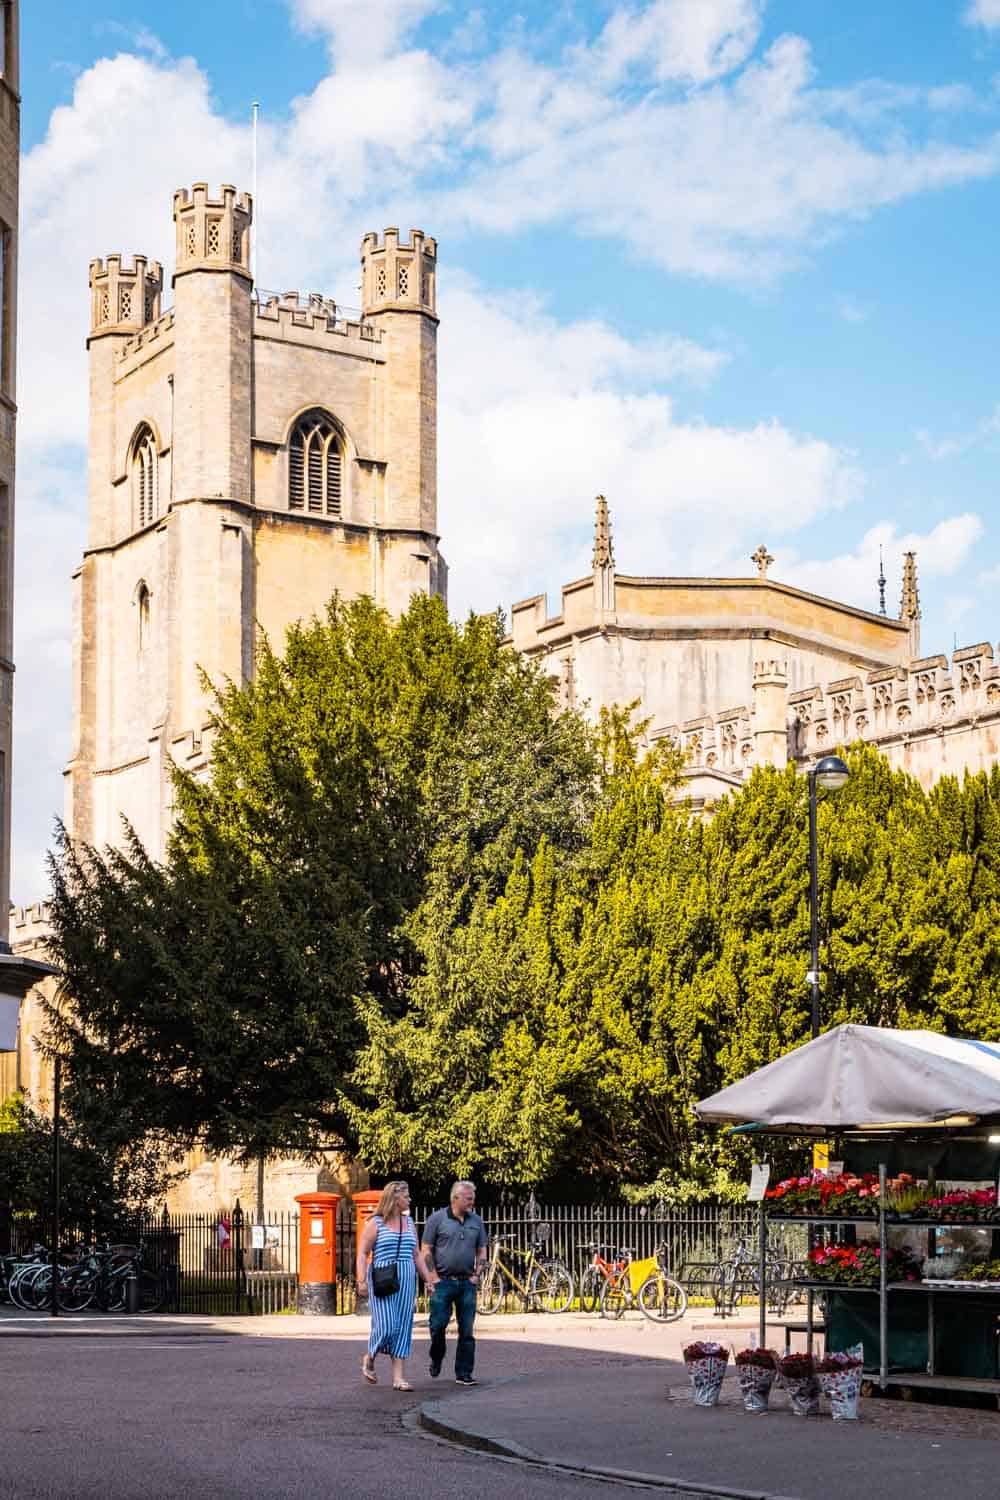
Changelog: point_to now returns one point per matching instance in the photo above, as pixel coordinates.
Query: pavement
(567, 1407)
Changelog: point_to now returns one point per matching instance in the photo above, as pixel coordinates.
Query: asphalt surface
(139, 1409)
(90, 1415)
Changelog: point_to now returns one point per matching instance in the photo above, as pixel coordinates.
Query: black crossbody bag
(385, 1279)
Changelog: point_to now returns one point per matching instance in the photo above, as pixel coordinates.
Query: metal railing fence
(225, 1263)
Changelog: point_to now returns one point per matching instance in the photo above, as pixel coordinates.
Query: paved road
(139, 1409)
(173, 1414)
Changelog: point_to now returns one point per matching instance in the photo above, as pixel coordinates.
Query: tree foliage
(415, 910)
(564, 1030)
(220, 997)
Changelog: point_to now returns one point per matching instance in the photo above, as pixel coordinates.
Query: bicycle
(545, 1285)
(659, 1297)
(600, 1269)
(738, 1275)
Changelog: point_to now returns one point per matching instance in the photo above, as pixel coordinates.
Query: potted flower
(859, 1265)
(839, 1376)
(706, 1365)
(755, 1371)
(798, 1376)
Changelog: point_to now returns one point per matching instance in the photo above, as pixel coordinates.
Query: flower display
(965, 1206)
(755, 1371)
(859, 1265)
(765, 1359)
(798, 1376)
(706, 1365)
(824, 1196)
(839, 1376)
(831, 1364)
(977, 1270)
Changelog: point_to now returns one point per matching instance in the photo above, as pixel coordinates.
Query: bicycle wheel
(550, 1287)
(725, 1290)
(614, 1299)
(492, 1291)
(114, 1294)
(35, 1289)
(151, 1291)
(76, 1292)
(662, 1299)
(591, 1282)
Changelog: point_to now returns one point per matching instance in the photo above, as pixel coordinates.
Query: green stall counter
(964, 1326)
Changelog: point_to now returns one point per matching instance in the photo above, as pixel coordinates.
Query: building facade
(739, 672)
(10, 147)
(250, 455)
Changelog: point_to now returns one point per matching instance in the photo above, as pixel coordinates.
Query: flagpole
(255, 111)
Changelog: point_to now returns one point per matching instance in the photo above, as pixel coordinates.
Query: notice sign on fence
(257, 1237)
(760, 1176)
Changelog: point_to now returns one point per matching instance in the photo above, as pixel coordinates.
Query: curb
(430, 1418)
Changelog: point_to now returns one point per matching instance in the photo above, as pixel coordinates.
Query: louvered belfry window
(144, 476)
(315, 466)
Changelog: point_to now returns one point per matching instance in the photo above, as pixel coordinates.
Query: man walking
(454, 1250)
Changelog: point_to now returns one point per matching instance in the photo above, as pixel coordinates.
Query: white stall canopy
(858, 1077)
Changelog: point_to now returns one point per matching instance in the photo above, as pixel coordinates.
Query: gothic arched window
(144, 476)
(142, 601)
(315, 465)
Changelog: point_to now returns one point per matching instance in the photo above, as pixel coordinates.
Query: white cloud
(360, 29)
(49, 541)
(687, 40)
(959, 443)
(727, 166)
(984, 13)
(851, 576)
(537, 418)
(736, 180)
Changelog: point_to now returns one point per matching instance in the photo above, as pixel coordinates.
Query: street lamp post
(830, 773)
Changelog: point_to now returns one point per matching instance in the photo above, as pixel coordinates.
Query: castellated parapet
(933, 718)
(399, 276)
(124, 298)
(213, 234)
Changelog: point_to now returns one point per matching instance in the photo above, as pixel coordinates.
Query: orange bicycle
(606, 1263)
(647, 1285)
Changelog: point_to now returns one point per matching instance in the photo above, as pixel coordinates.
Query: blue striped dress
(392, 1317)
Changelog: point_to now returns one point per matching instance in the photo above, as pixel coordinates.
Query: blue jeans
(461, 1295)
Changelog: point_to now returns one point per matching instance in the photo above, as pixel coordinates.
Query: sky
(731, 263)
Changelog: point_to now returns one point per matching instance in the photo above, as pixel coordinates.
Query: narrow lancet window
(144, 476)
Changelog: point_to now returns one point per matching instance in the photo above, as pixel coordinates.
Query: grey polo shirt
(453, 1242)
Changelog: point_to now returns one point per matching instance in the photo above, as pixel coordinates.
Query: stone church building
(251, 453)
(248, 456)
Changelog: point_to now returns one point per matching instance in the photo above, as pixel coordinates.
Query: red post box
(365, 1204)
(317, 1252)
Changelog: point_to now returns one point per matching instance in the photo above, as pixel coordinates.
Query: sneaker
(466, 1380)
(435, 1370)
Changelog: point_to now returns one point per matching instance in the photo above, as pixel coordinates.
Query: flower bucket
(755, 1385)
(798, 1376)
(840, 1379)
(706, 1366)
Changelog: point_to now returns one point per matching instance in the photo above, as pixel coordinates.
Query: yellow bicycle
(544, 1284)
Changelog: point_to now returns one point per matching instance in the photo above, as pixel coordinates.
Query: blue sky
(730, 262)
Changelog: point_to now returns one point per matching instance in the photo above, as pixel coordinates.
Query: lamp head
(831, 773)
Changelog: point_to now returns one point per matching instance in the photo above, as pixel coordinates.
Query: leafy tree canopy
(220, 997)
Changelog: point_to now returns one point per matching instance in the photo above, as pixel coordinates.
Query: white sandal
(368, 1369)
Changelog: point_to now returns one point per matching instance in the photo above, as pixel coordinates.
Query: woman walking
(390, 1239)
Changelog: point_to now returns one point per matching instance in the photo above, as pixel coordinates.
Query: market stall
(904, 1266)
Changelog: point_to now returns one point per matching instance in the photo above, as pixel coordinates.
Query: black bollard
(132, 1292)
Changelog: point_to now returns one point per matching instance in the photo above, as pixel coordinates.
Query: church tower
(251, 453)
